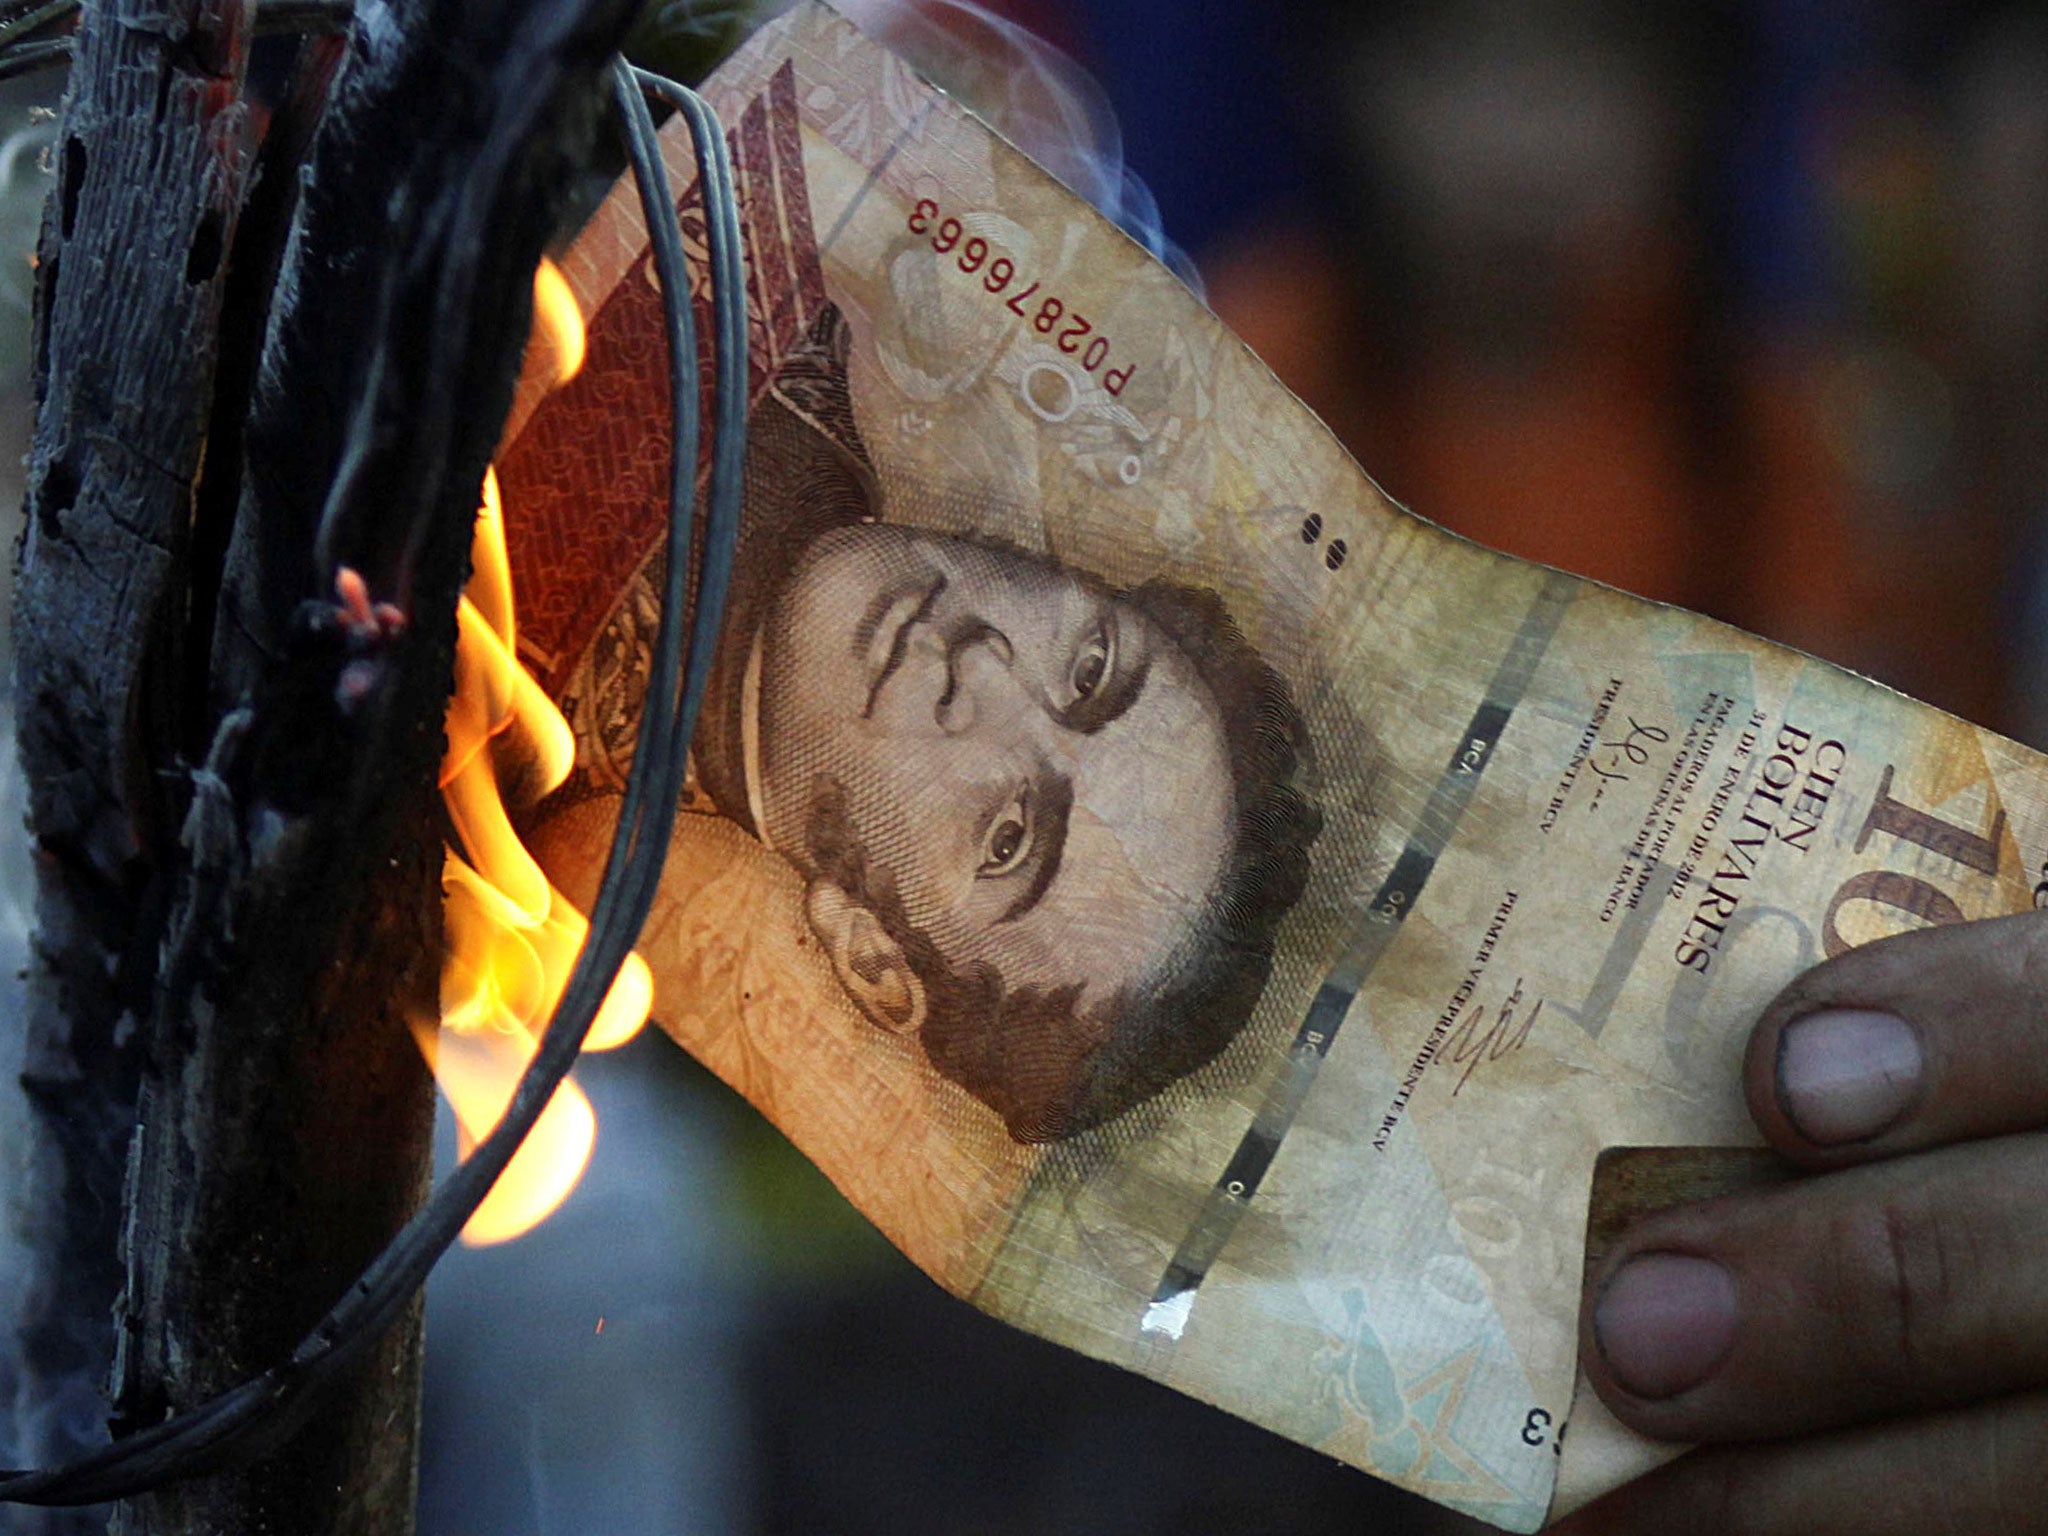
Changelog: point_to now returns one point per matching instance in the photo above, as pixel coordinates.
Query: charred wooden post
(150, 172)
(231, 788)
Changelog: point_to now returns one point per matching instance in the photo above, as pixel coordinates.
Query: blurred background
(1741, 304)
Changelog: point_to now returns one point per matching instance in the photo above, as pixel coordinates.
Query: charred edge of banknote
(1173, 1299)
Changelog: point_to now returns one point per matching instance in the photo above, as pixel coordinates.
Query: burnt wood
(244, 382)
(151, 166)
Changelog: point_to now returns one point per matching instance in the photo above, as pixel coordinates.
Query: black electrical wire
(255, 1417)
(18, 20)
(28, 58)
(729, 340)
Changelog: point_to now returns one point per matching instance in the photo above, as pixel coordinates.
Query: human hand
(1866, 1351)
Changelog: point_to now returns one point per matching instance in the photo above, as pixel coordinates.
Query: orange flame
(512, 937)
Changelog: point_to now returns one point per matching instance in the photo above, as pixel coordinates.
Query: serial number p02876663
(1047, 314)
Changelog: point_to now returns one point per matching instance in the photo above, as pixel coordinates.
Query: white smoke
(1030, 93)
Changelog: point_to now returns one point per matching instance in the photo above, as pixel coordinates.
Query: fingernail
(1664, 1322)
(1846, 1074)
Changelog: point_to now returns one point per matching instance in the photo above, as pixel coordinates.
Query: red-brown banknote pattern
(1201, 912)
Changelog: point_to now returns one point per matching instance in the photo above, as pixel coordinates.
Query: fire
(512, 937)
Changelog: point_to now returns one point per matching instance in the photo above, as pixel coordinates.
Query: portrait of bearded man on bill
(1047, 828)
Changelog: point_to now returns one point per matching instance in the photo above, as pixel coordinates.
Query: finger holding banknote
(1934, 1037)
(1881, 1331)
(1979, 1469)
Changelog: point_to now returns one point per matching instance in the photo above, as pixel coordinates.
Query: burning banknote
(1201, 912)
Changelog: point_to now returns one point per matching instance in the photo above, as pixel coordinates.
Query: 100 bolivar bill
(1201, 912)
